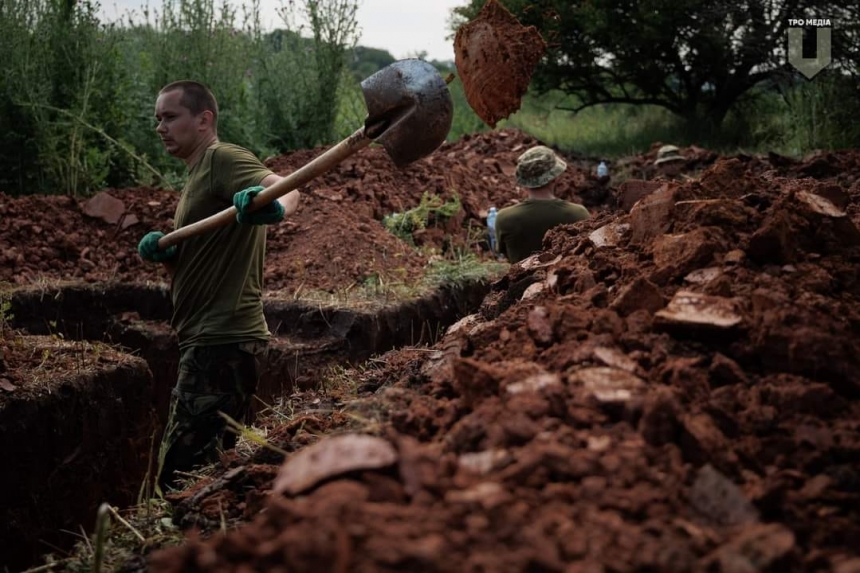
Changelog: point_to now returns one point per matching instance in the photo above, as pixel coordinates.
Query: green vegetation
(696, 59)
(466, 268)
(431, 206)
(77, 97)
(793, 118)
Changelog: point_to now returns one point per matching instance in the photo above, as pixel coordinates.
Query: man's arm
(501, 238)
(290, 201)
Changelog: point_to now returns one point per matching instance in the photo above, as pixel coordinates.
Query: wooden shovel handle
(296, 179)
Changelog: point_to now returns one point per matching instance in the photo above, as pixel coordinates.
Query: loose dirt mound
(842, 167)
(674, 392)
(480, 169)
(323, 247)
(335, 240)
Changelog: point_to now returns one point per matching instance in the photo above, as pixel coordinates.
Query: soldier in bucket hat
(669, 163)
(521, 227)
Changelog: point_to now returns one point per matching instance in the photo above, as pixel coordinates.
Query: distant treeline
(77, 96)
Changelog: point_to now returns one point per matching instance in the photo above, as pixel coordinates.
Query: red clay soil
(677, 391)
(495, 57)
(49, 238)
(323, 247)
(335, 240)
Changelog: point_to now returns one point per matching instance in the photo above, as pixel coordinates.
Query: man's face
(670, 168)
(179, 130)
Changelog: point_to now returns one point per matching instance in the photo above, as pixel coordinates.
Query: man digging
(216, 279)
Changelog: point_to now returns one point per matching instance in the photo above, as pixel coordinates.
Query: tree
(363, 62)
(696, 58)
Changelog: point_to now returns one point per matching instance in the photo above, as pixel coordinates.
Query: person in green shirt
(521, 227)
(216, 279)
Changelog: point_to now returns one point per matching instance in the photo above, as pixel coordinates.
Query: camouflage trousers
(212, 379)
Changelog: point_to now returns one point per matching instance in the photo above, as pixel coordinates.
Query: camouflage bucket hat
(668, 153)
(538, 166)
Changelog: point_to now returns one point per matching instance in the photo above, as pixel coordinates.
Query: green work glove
(271, 213)
(148, 248)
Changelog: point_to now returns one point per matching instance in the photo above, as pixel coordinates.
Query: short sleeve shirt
(218, 280)
(520, 228)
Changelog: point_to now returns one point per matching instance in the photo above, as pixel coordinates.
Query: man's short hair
(195, 96)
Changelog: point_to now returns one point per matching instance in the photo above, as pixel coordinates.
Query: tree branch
(615, 99)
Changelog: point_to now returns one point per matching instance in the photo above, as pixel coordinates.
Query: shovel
(409, 111)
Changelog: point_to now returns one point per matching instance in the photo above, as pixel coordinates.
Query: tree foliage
(695, 58)
(77, 95)
(364, 62)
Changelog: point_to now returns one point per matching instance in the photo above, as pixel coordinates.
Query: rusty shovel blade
(410, 100)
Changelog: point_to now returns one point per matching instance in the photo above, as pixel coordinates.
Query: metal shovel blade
(413, 101)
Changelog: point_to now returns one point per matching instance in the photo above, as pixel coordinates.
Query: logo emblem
(809, 67)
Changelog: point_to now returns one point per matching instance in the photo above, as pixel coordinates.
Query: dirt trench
(85, 436)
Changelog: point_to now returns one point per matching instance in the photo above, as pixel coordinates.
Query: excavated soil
(673, 389)
(335, 240)
(671, 386)
(52, 238)
(495, 57)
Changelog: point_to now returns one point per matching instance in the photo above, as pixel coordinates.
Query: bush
(404, 224)
(822, 113)
(77, 98)
(61, 75)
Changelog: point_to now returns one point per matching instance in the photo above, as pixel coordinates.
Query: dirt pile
(674, 389)
(479, 168)
(641, 166)
(336, 239)
(840, 167)
(51, 238)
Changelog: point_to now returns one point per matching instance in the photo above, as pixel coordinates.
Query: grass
(119, 539)
(403, 224)
(462, 270)
(792, 119)
(380, 288)
(601, 131)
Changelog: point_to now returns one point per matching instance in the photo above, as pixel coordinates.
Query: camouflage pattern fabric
(538, 166)
(212, 379)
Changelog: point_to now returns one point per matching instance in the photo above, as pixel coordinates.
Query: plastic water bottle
(491, 228)
(602, 169)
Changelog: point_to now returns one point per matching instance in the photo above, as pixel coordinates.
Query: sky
(403, 27)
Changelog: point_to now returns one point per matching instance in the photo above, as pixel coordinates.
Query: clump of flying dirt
(495, 56)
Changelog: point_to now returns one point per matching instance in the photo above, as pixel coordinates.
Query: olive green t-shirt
(520, 228)
(218, 280)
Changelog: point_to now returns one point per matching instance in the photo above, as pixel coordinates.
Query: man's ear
(206, 120)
